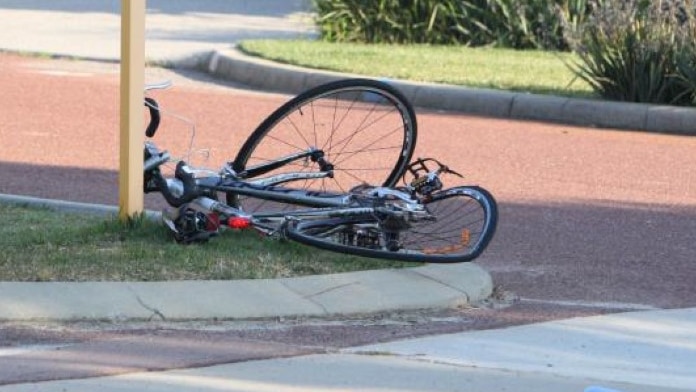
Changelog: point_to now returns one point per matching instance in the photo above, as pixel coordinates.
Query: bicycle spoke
(369, 145)
(360, 128)
(352, 132)
(297, 129)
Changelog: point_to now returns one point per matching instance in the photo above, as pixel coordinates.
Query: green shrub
(519, 24)
(390, 21)
(571, 16)
(510, 23)
(640, 51)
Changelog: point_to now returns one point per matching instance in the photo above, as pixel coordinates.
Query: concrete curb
(431, 286)
(233, 65)
(69, 206)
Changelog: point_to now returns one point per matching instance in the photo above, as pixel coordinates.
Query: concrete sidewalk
(633, 351)
(630, 352)
(175, 30)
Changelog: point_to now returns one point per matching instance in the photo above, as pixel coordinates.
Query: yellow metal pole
(132, 129)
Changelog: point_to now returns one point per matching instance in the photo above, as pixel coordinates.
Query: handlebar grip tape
(153, 107)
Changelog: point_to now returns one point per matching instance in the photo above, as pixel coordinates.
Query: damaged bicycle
(332, 168)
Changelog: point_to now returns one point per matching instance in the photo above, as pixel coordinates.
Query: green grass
(44, 245)
(526, 71)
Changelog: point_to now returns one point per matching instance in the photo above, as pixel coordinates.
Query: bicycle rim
(464, 223)
(366, 129)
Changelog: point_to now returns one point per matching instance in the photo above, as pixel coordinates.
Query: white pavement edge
(630, 352)
(431, 286)
(653, 348)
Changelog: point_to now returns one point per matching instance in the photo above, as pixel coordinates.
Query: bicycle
(314, 172)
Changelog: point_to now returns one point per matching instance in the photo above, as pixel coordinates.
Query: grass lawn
(39, 244)
(529, 71)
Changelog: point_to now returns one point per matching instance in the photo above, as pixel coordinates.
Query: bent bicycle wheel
(365, 128)
(464, 223)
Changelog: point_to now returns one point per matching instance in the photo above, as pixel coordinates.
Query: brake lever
(158, 86)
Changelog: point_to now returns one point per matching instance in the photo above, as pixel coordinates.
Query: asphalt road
(587, 215)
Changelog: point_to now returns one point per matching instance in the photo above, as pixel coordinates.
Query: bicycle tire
(362, 125)
(467, 211)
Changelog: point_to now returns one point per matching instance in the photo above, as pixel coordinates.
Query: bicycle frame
(322, 204)
(274, 193)
(246, 183)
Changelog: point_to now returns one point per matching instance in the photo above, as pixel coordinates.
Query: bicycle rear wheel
(464, 223)
(366, 129)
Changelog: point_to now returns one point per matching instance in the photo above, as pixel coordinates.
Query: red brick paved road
(586, 214)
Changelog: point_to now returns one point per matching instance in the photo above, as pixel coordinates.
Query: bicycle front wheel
(463, 223)
(365, 128)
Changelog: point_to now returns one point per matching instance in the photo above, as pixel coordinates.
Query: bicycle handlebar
(188, 189)
(153, 107)
(155, 118)
(183, 188)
